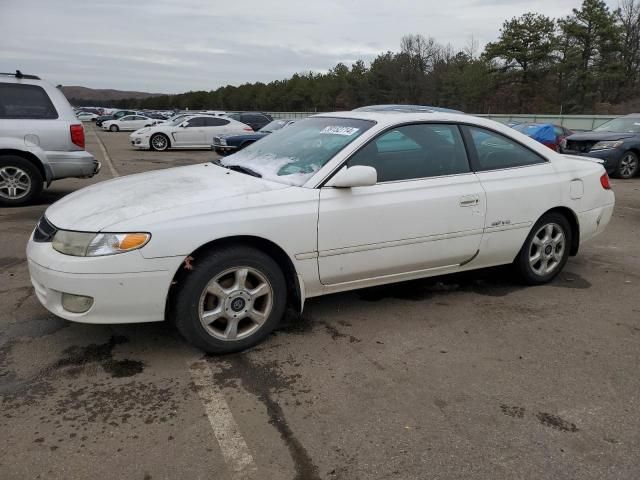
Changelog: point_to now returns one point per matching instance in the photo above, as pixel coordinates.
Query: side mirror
(356, 176)
(184, 124)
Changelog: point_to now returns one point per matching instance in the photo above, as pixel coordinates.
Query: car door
(520, 186)
(193, 134)
(126, 123)
(139, 122)
(214, 126)
(425, 213)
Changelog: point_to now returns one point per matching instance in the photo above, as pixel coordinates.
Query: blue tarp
(541, 132)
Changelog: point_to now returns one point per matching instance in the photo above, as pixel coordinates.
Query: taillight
(248, 129)
(604, 181)
(77, 135)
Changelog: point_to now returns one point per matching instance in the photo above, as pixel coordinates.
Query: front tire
(545, 251)
(114, 128)
(20, 181)
(628, 166)
(231, 300)
(159, 142)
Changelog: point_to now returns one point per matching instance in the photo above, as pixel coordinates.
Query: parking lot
(470, 376)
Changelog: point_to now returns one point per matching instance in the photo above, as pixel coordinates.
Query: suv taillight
(77, 135)
(604, 181)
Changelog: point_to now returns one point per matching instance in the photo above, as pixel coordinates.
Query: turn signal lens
(604, 181)
(133, 240)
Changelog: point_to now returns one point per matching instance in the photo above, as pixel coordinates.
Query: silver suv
(41, 139)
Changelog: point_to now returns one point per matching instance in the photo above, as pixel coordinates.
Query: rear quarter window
(25, 102)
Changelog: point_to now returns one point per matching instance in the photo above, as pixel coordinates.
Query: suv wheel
(231, 300)
(628, 166)
(159, 142)
(114, 128)
(20, 181)
(545, 251)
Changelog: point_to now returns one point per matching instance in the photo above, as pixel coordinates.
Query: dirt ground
(470, 376)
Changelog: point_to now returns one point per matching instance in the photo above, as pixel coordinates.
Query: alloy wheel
(235, 303)
(159, 142)
(628, 165)
(547, 249)
(15, 183)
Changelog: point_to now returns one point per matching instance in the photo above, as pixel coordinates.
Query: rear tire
(231, 300)
(628, 166)
(20, 181)
(159, 142)
(545, 251)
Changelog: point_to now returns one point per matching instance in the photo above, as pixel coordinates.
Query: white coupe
(128, 123)
(334, 202)
(196, 131)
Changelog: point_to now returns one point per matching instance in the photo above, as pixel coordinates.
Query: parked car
(323, 206)
(114, 116)
(616, 142)
(255, 120)
(128, 123)
(86, 116)
(190, 132)
(41, 140)
(225, 145)
(548, 134)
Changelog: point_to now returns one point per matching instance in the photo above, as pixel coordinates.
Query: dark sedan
(617, 142)
(114, 116)
(255, 120)
(226, 145)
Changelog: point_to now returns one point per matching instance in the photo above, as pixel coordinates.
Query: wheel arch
(294, 293)
(32, 158)
(572, 218)
(165, 135)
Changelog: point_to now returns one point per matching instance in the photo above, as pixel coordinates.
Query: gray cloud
(174, 46)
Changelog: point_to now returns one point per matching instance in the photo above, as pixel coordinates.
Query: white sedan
(128, 123)
(334, 202)
(196, 131)
(86, 116)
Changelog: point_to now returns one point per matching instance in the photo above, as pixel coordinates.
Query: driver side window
(417, 151)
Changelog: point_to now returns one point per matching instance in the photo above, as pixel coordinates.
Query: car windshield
(523, 127)
(273, 126)
(620, 125)
(294, 154)
(177, 120)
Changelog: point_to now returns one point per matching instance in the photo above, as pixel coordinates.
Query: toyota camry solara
(334, 202)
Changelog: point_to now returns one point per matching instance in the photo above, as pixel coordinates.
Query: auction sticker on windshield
(337, 130)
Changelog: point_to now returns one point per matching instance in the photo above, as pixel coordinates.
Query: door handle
(469, 201)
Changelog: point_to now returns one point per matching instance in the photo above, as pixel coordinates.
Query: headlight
(84, 244)
(607, 145)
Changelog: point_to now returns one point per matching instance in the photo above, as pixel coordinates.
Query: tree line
(587, 62)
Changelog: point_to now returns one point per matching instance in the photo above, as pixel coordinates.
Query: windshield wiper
(248, 171)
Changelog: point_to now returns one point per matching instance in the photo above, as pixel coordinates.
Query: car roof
(404, 108)
(392, 117)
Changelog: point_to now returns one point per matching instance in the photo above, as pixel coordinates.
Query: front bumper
(78, 163)
(136, 293)
(611, 157)
(140, 141)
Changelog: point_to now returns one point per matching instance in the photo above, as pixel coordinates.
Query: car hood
(98, 206)
(599, 136)
(242, 138)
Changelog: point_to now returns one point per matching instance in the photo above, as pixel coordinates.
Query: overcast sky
(179, 45)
